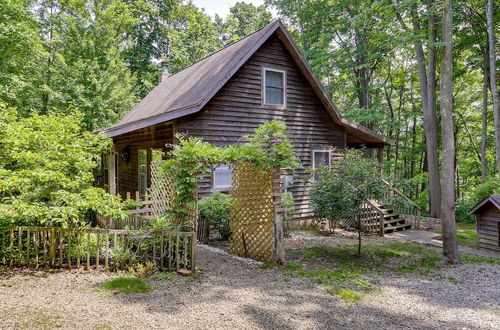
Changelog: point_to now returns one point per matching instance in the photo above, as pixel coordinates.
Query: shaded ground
(232, 294)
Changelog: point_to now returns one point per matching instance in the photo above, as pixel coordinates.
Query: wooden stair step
(392, 229)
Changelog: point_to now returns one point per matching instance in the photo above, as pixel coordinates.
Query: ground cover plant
(127, 285)
(351, 276)
(466, 233)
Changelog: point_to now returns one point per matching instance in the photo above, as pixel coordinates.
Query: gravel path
(232, 294)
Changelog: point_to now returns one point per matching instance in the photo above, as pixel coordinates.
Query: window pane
(274, 95)
(321, 158)
(274, 79)
(223, 176)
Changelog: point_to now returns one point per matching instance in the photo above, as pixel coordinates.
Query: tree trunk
(450, 247)
(493, 77)
(427, 89)
(484, 135)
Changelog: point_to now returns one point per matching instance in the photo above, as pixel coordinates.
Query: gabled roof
(189, 90)
(493, 199)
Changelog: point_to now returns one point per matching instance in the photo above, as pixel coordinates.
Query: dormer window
(274, 87)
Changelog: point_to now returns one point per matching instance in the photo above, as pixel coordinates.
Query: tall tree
(243, 19)
(148, 40)
(450, 246)
(20, 52)
(427, 78)
(193, 35)
(84, 66)
(493, 76)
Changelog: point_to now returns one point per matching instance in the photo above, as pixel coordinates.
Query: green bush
(339, 190)
(490, 187)
(47, 169)
(461, 212)
(217, 209)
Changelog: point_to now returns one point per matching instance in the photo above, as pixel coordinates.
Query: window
(142, 171)
(274, 87)
(222, 176)
(321, 158)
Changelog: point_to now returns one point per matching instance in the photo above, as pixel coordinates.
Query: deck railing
(401, 204)
(36, 247)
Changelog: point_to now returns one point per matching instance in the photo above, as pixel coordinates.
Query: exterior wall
(156, 136)
(237, 110)
(488, 222)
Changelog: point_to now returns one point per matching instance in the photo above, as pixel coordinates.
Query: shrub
(47, 170)
(217, 209)
(490, 187)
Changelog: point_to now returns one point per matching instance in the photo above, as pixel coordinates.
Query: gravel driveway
(234, 295)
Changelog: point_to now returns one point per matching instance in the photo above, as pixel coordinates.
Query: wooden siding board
(156, 136)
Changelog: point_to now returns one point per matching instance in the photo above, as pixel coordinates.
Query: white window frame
(319, 150)
(264, 69)
(220, 187)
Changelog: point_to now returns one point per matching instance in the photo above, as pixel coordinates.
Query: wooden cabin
(487, 213)
(228, 95)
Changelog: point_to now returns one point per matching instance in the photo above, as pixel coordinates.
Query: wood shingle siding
(237, 110)
(488, 222)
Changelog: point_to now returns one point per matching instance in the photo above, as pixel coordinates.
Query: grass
(127, 285)
(351, 277)
(466, 233)
(347, 295)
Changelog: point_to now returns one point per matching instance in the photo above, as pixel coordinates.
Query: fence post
(279, 252)
(52, 247)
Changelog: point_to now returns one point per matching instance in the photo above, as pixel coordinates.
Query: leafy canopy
(46, 170)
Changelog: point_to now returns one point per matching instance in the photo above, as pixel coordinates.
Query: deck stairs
(393, 221)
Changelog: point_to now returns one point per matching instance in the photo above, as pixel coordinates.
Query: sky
(221, 7)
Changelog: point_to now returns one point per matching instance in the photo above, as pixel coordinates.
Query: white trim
(264, 69)
(321, 150)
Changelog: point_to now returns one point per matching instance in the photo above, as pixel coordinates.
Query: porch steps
(392, 222)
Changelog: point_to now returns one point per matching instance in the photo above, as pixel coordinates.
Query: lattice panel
(162, 189)
(252, 213)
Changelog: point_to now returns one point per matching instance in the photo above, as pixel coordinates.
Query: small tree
(46, 171)
(339, 190)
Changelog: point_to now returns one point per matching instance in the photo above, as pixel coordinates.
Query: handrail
(400, 194)
(376, 208)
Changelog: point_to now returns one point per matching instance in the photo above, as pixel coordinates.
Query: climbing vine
(267, 148)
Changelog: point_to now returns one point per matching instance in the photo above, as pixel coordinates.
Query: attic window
(274, 87)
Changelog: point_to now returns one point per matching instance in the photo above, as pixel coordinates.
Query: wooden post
(52, 248)
(279, 251)
(112, 173)
(380, 159)
(382, 225)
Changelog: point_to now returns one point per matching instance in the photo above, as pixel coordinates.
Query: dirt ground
(231, 294)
